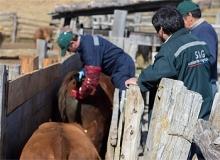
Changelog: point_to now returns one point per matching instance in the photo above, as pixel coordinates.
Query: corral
(31, 79)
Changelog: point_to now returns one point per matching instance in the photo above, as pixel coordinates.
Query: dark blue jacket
(205, 32)
(97, 51)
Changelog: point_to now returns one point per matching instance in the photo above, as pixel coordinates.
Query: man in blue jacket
(203, 31)
(98, 55)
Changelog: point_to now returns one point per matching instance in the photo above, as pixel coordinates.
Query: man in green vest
(181, 57)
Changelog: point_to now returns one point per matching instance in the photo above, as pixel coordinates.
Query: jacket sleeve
(162, 67)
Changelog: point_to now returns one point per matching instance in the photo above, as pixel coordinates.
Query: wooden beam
(14, 29)
(3, 81)
(118, 147)
(118, 28)
(108, 8)
(41, 51)
(112, 138)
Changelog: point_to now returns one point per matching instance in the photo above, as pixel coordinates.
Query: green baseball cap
(187, 6)
(64, 40)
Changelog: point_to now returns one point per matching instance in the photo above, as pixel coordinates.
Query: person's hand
(131, 81)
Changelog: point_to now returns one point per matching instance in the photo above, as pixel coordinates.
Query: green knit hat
(64, 40)
(187, 6)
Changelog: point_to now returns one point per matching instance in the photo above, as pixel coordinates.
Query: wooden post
(14, 31)
(3, 81)
(131, 48)
(120, 130)
(207, 138)
(173, 121)
(217, 21)
(137, 20)
(134, 107)
(215, 112)
(41, 51)
(13, 71)
(73, 24)
(118, 27)
(112, 138)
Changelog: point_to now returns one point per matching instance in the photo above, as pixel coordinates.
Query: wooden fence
(28, 101)
(174, 123)
(15, 27)
(27, 60)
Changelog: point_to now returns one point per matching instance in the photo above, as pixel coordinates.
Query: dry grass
(37, 9)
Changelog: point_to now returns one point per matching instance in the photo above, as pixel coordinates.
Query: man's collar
(168, 38)
(198, 22)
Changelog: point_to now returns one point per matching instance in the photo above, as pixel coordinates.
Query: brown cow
(44, 33)
(53, 140)
(94, 108)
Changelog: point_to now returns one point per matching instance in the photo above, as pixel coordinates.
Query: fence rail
(15, 27)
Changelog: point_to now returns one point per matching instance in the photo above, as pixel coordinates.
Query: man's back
(183, 57)
(205, 32)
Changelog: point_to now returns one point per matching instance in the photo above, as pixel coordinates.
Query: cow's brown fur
(95, 108)
(53, 140)
(45, 33)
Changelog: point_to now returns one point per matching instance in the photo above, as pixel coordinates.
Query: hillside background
(37, 9)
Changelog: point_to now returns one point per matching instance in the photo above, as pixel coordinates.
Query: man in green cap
(97, 55)
(191, 13)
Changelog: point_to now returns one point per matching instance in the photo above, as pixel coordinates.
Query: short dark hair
(169, 19)
(196, 13)
(75, 37)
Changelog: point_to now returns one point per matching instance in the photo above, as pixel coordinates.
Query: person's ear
(160, 31)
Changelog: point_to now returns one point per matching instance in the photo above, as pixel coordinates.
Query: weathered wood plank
(117, 154)
(130, 48)
(207, 138)
(174, 117)
(3, 80)
(41, 51)
(215, 112)
(31, 83)
(112, 138)
(118, 27)
(14, 70)
(134, 107)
